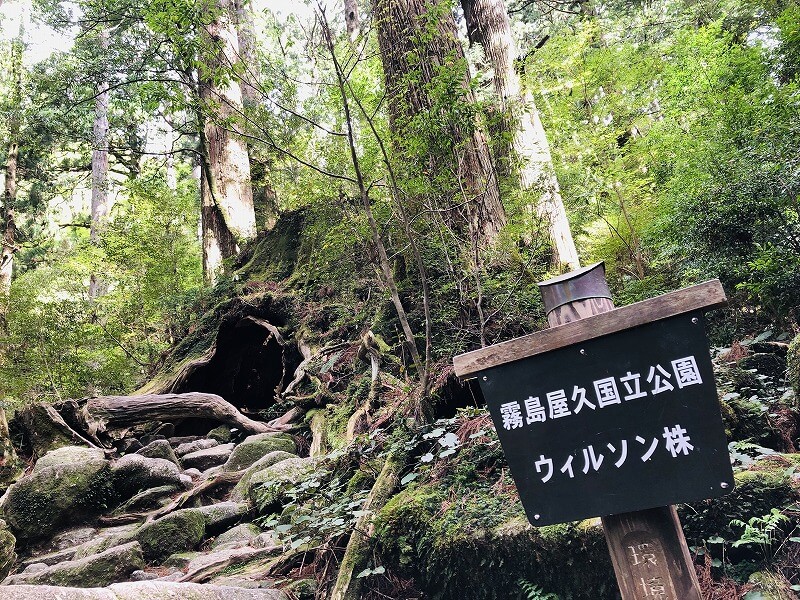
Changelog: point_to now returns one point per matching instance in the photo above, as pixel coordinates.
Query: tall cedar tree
(228, 216)
(488, 25)
(418, 38)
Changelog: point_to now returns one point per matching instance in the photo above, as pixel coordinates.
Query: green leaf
(408, 478)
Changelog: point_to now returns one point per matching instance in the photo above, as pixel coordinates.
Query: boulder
(148, 499)
(115, 564)
(222, 434)
(72, 537)
(105, 539)
(240, 492)
(67, 486)
(257, 446)
(205, 459)
(139, 590)
(180, 560)
(176, 532)
(160, 449)
(268, 487)
(134, 473)
(219, 517)
(195, 445)
(238, 536)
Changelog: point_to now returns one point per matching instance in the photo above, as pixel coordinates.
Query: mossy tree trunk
(488, 25)
(420, 51)
(226, 162)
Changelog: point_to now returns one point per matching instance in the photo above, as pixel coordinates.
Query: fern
(532, 591)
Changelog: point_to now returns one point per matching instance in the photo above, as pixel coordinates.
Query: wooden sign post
(613, 413)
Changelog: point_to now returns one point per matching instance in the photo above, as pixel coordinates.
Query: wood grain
(706, 295)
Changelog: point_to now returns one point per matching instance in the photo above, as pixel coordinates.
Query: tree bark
(265, 201)
(488, 25)
(9, 232)
(226, 162)
(352, 19)
(99, 205)
(117, 412)
(419, 45)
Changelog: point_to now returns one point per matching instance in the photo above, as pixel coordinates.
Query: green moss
(257, 446)
(7, 555)
(755, 494)
(176, 532)
(751, 422)
(477, 544)
(55, 495)
(793, 368)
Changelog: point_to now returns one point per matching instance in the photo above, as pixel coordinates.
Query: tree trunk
(218, 242)
(99, 165)
(419, 45)
(118, 412)
(488, 25)
(352, 19)
(226, 163)
(9, 232)
(265, 200)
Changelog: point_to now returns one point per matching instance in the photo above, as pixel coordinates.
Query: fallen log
(118, 412)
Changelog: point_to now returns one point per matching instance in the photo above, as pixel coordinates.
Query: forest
(242, 241)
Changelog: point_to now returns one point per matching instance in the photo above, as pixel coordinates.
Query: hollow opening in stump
(249, 365)
(455, 394)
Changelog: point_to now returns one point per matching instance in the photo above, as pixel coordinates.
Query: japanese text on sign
(606, 392)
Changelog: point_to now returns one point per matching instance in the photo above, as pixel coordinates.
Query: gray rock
(72, 537)
(67, 486)
(265, 540)
(35, 567)
(211, 457)
(134, 473)
(193, 473)
(221, 516)
(105, 539)
(160, 449)
(140, 590)
(140, 575)
(115, 564)
(281, 477)
(241, 535)
(148, 500)
(240, 491)
(52, 558)
(177, 576)
(257, 446)
(195, 445)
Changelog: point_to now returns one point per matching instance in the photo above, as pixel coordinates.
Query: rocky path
(172, 518)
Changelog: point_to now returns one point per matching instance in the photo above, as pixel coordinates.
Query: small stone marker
(613, 413)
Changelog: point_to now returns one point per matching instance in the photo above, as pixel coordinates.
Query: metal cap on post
(576, 295)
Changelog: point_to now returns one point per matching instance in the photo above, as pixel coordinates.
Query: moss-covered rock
(7, 554)
(756, 492)
(257, 446)
(241, 491)
(67, 486)
(770, 587)
(134, 473)
(241, 535)
(140, 590)
(481, 547)
(111, 566)
(176, 532)
(270, 487)
(793, 366)
(160, 449)
(221, 434)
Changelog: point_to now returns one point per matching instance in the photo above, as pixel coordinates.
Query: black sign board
(618, 423)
